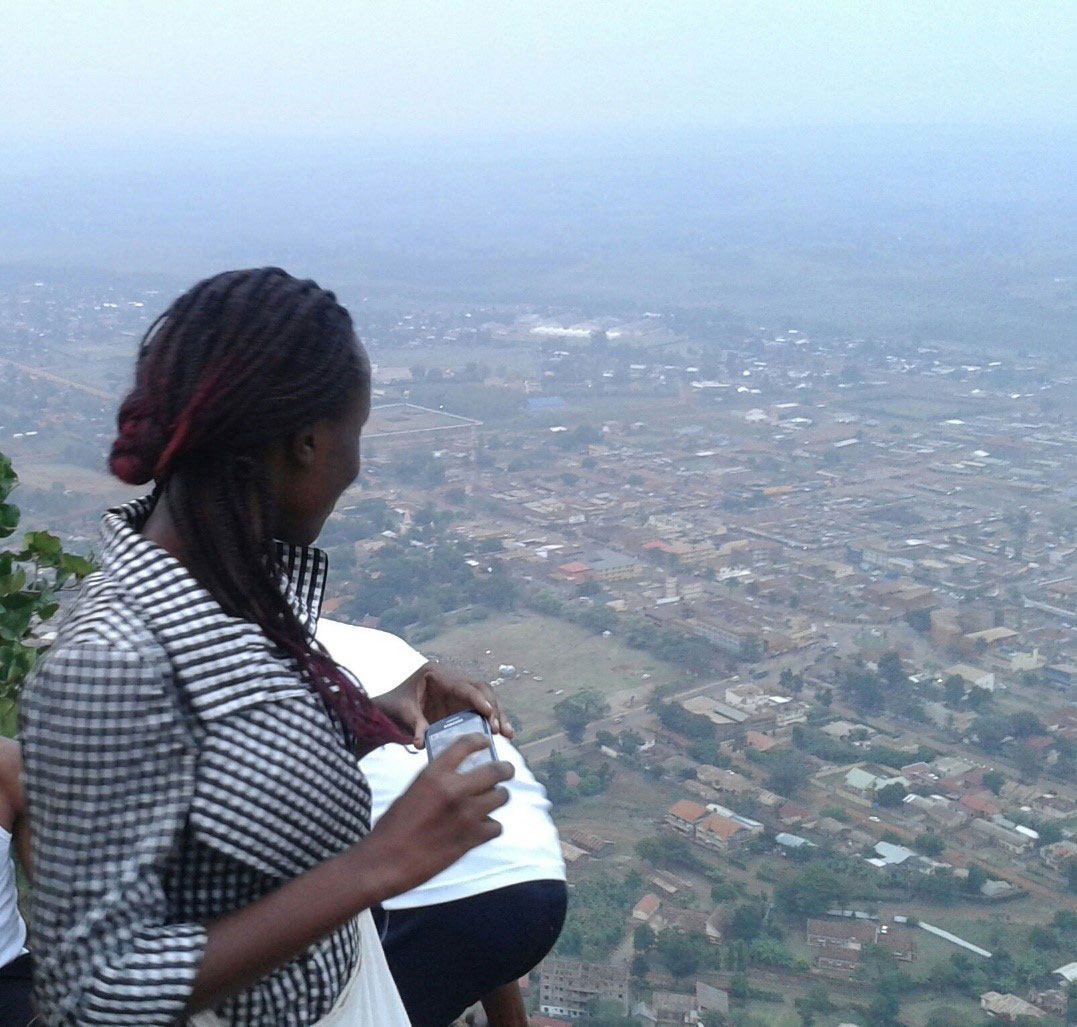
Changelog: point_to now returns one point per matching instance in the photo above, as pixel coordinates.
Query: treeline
(596, 916)
(407, 586)
(696, 655)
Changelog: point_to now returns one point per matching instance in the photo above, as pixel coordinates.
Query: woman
(201, 840)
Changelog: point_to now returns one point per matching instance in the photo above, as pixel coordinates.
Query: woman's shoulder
(102, 636)
(103, 615)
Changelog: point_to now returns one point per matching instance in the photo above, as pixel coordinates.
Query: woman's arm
(504, 1006)
(109, 782)
(440, 817)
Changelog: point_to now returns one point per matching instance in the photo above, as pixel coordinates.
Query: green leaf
(8, 478)
(11, 583)
(79, 566)
(43, 548)
(9, 519)
(16, 612)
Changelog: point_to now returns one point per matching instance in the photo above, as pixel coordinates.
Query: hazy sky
(131, 67)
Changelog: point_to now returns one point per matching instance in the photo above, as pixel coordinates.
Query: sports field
(563, 656)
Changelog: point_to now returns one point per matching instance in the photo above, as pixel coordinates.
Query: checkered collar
(223, 663)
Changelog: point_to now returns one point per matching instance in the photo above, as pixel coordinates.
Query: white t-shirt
(528, 848)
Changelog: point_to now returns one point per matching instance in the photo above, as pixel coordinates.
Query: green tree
(644, 938)
(789, 771)
(891, 795)
(978, 699)
(930, 845)
(994, 781)
(919, 620)
(678, 952)
(892, 671)
(991, 729)
(31, 579)
(1043, 938)
(576, 711)
(953, 689)
(884, 1011)
(1065, 921)
(1028, 761)
(865, 690)
(667, 850)
(976, 880)
(1025, 723)
(746, 922)
(810, 892)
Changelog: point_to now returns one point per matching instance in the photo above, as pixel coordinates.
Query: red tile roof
(685, 809)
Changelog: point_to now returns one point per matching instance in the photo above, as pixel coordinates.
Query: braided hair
(241, 361)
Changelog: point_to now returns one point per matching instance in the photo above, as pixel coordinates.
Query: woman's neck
(161, 528)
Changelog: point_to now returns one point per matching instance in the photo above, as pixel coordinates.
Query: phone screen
(442, 734)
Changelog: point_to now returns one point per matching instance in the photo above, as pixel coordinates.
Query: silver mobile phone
(441, 734)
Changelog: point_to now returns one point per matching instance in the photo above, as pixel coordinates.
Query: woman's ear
(303, 447)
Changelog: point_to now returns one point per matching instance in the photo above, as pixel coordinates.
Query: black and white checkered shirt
(177, 769)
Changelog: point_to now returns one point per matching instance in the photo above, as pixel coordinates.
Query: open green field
(564, 656)
(915, 1012)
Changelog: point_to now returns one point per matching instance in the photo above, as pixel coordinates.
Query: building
(1012, 841)
(865, 779)
(846, 933)
(852, 934)
(608, 565)
(757, 740)
(1058, 854)
(981, 804)
(973, 677)
(668, 1009)
(722, 833)
(1053, 1001)
(684, 815)
(722, 780)
(790, 814)
(837, 962)
(1008, 1008)
(568, 986)
(575, 572)
(689, 921)
(591, 843)
(1064, 675)
(792, 842)
(739, 642)
(747, 697)
(645, 909)
(712, 999)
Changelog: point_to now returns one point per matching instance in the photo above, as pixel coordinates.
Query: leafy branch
(31, 579)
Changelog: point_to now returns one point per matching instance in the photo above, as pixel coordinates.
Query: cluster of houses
(712, 826)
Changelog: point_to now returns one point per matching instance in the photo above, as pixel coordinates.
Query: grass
(566, 657)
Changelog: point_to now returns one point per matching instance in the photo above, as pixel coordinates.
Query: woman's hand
(443, 815)
(433, 692)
